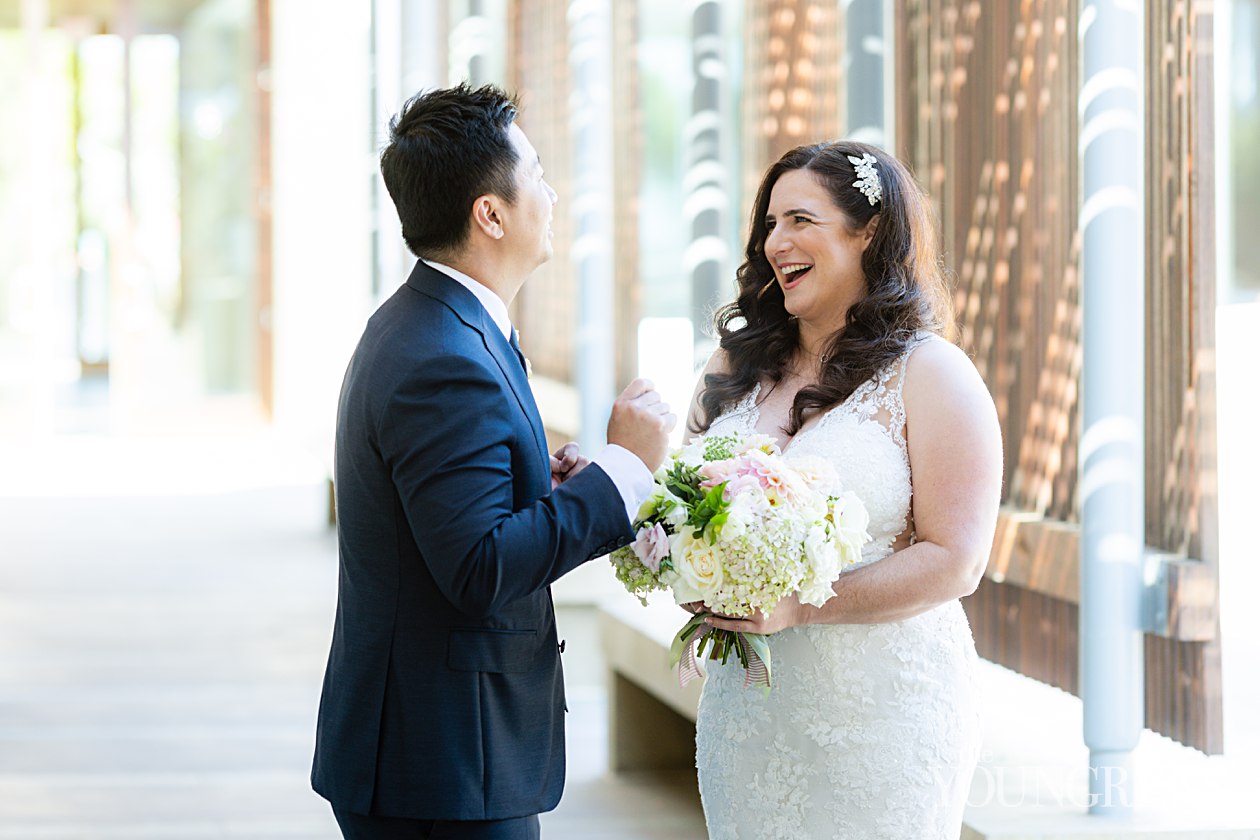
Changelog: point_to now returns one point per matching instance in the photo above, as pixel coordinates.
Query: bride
(834, 347)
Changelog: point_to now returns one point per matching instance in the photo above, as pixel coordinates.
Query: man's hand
(566, 462)
(641, 423)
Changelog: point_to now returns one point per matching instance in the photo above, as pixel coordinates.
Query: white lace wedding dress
(871, 731)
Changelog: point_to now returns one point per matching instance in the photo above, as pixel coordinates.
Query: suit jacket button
(562, 645)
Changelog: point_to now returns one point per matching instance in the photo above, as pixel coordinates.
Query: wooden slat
(1043, 556)
(1026, 631)
(627, 183)
(538, 69)
(793, 84)
(1181, 507)
(546, 307)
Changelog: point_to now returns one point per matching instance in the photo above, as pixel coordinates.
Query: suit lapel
(464, 304)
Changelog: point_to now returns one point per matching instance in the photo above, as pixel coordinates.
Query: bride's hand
(789, 612)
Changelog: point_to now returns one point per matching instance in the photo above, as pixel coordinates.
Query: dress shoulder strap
(920, 338)
(893, 380)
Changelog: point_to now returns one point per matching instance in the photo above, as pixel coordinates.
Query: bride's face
(814, 251)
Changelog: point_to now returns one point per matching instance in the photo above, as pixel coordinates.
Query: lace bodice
(871, 730)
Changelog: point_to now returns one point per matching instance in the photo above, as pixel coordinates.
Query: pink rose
(714, 473)
(651, 546)
(740, 484)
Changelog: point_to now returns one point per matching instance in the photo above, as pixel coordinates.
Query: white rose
(823, 555)
(739, 516)
(812, 506)
(674, 509)
(765, 443)
(816, 593)
(851, 520)
(665, 503)
(819, 474)
(698, 565)
(692, 454)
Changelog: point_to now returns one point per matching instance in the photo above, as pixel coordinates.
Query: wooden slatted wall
(792, 82)
(1181, 510)
(538, 70)
(627, 183)
(987, 116)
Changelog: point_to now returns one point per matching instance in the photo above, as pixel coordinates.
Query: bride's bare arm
(956, 466)
(716, 364)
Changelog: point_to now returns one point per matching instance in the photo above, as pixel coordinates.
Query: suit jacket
(444, 695)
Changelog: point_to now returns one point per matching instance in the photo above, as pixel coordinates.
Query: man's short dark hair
(446, 147)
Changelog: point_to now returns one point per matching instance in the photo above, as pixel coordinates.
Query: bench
(651, 721)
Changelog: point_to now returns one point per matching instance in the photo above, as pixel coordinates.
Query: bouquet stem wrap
(752, 649)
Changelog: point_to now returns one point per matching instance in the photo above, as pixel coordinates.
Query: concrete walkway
(161, 651)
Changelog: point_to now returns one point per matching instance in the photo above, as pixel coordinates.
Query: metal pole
(1112, 526)
(864, 63)
(590, 67)
(708, 199)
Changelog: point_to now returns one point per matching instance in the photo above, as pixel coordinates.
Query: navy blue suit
(444, 695)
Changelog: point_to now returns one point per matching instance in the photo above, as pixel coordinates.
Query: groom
(443, 702)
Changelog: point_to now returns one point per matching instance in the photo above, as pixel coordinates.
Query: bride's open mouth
(793, 273)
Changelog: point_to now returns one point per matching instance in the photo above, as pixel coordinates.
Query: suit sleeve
(447, 436)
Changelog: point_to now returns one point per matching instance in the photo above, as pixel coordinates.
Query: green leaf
(679, 645)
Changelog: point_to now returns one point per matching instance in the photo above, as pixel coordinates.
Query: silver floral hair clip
(868, 178)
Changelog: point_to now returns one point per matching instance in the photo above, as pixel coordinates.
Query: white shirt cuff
(629, 474)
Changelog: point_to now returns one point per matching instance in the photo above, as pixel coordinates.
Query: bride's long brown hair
(905, 288)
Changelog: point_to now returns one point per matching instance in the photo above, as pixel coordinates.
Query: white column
(408, 43)
(590, 67)
(389, 258)
(708, 203)
(1111, 452)
(423, 34)
(864, 69)
(477, 39)
(321, 129)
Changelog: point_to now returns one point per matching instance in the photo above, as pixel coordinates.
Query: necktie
(516, 347)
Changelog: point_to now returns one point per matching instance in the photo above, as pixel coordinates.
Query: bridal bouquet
(735, 524)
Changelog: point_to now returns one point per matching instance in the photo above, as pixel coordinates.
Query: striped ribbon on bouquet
(683, 650)
(755, 651)
(758, 671)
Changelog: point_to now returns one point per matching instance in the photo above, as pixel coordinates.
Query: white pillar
(590, 67)
(389, 262)
(708, 203)
(423, 34)
(476, 45)
(864, 69)
(1111, 453)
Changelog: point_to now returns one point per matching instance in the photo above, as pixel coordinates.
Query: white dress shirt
(627, 471)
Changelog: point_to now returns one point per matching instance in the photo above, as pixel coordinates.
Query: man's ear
(486, 217)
